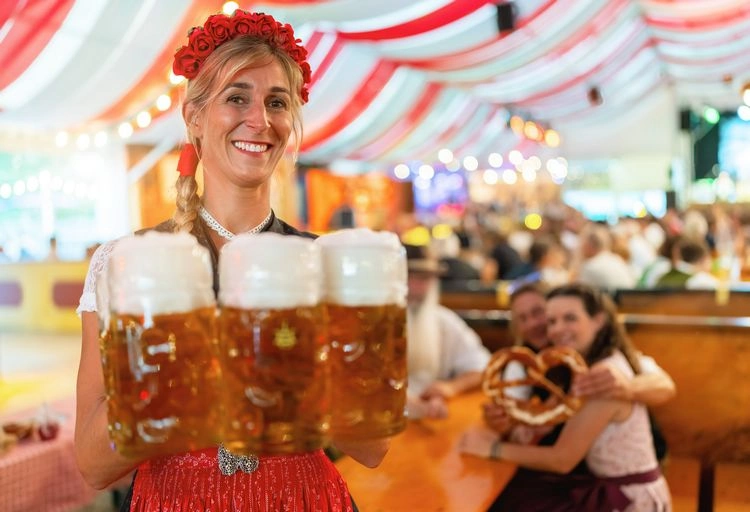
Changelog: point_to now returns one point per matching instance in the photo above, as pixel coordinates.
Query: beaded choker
(224, 232)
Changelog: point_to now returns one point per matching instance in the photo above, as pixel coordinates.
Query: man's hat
(420, 261)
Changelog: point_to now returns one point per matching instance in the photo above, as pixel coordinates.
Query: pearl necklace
(224, 232)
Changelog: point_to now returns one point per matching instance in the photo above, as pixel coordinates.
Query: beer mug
(273, 343)
(365, 294)
(161, 367)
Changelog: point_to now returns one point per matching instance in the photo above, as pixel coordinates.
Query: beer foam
(269, 270)
(362, 267)
(159, 273)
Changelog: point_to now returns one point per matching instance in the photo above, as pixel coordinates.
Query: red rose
(186, 63)
(241, 25)
(304, 94)
(306, 72)
(219, 27)
(297, 53)
(202, 43)
(266, 30)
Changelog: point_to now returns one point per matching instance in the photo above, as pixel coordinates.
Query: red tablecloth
(42, 476)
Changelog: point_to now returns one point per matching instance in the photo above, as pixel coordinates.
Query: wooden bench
(484, 308)
(709, 360)
(684, 302)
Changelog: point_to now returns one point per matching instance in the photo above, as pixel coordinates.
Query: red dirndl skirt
(193, 482)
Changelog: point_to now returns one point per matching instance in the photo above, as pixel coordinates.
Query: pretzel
(557, 408)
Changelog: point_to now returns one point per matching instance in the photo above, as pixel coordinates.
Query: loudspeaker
(506, 16)
(686, 120)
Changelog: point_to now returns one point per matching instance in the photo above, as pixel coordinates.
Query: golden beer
(161, 382)
(365, 293)
(368, 361)
(159, 355)
(276, 374)
(274, 345)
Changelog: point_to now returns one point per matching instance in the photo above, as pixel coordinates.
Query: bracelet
(495, 449)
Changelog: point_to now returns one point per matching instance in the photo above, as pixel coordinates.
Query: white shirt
(608, 271)
(461, 350)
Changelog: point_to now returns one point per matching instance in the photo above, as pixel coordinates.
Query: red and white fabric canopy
(393, 80)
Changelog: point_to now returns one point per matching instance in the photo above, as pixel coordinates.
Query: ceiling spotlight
(746, 93)
(595, 96)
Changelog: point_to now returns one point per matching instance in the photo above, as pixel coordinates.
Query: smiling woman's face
(245, 130)
(569, 324)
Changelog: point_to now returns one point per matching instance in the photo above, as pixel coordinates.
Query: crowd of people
(694, 249)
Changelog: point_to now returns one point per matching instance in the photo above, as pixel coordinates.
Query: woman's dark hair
(612, 335)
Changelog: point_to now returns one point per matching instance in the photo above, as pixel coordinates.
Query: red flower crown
(220, 28)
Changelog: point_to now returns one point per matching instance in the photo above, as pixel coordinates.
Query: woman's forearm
(540, 458)
(98, 462)
(652, 389)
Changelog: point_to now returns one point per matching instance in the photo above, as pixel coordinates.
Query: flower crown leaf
(220, 28)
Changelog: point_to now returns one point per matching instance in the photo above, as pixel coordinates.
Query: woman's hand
(603, 381)
(528, 434)
(497, 418)
(439, 388)
(480, 442)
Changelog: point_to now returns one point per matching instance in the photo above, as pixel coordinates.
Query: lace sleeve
(94, 297)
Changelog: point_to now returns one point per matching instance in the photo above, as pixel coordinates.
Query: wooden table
(424, 470)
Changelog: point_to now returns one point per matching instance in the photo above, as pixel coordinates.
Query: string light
(229, 7)
(426, 172)
(61, 139)
(163, 102)
(495, 160)
(445, 155)
(401, 171)
(125, 130)
(100, 139)
(143, 119)
(471, 163)
(83, 141)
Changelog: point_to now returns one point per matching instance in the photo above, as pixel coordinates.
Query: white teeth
(254, 148)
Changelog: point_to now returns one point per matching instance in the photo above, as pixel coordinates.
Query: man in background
(445, 356)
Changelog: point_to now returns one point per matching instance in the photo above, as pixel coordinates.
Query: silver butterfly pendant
(229, 463)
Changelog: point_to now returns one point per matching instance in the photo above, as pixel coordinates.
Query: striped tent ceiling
(393, 80)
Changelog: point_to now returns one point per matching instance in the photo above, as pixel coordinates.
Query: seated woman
(613, 436)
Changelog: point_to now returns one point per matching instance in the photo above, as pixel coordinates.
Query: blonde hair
(219, 68)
